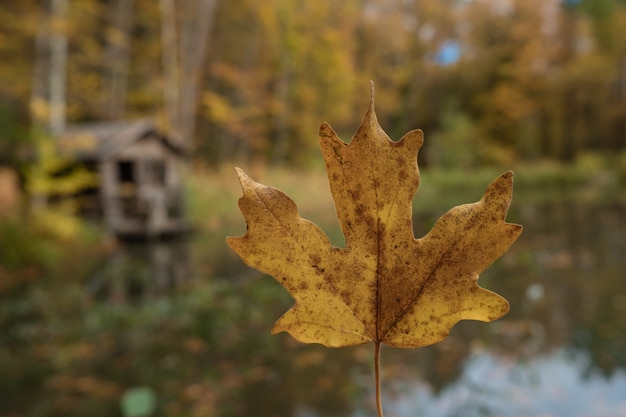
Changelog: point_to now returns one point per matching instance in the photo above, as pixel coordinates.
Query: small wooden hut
(140, 190)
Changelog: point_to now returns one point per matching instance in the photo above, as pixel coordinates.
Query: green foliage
(455, 144)
(79, 354)
(620, 167)
(14, 135)
(19, 249)
(45, 242)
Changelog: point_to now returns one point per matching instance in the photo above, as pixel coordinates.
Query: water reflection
(560, 352)
(141, 270)
(490, 385)
(188, 321)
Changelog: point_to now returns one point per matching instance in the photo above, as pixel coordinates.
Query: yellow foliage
(219, 110)
(57, 223)
(39, 108)
(43, 178)
(385, 286)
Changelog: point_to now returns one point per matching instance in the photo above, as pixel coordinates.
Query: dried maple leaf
(385, 286)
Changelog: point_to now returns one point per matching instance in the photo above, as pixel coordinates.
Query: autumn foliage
(503, 81)
(385, 286)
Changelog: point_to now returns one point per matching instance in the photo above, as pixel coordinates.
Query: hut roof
(103, 140)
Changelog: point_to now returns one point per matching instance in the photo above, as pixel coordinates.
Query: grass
(47, 242)
(213, 193)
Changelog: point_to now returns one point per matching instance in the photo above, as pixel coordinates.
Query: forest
(492, 82)
(93, 325)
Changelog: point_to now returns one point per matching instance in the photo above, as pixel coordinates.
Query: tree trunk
(58, 66)
(183, 61)
(283, 88)
(169, 56)
(195, 37)
(39, 86)
(118, 59)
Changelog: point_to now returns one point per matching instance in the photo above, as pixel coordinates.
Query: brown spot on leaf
(414, 281)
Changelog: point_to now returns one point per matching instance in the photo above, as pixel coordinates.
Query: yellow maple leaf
(385, 286)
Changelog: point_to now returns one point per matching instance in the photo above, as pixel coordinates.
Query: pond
(151, 318)
(561, 351)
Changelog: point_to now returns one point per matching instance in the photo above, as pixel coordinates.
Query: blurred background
(117, 116)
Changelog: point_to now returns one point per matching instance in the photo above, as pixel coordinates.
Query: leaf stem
(379, 403)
